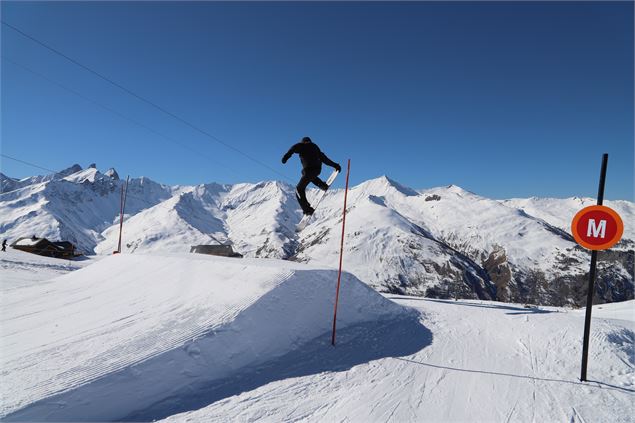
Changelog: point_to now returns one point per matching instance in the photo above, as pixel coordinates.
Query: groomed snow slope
(132, 334)
(203, 339)
(483, 362)
(20, 269)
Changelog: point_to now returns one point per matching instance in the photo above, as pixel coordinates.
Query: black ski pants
(309, 175)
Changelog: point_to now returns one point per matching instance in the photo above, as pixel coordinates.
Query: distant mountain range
(442, 242)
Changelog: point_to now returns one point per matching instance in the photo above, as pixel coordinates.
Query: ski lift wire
(115, 112)
(137, 96)
(26, 163)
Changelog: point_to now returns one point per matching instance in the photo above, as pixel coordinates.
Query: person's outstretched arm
(330, 162)
(292, 150)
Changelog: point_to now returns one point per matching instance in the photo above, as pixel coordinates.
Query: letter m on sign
(596, 230)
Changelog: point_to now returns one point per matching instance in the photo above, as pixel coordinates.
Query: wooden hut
(215, 250)
(44, 247)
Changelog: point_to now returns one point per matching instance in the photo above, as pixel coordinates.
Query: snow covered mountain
(443, 242)
(75, 205)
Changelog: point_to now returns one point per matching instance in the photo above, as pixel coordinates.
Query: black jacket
(310, 156)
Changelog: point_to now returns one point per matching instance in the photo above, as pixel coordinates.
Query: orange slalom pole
(339, 274)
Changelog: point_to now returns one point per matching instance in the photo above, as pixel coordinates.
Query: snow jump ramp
(142, 337)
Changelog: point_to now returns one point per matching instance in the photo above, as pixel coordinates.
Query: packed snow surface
(131, 331)
(198, 338)
(482, 362)
(20, 269)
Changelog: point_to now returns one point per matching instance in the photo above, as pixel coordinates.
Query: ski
(306, 218)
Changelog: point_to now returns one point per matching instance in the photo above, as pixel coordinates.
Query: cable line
(113, 111)
(137, 96)
(27, 163)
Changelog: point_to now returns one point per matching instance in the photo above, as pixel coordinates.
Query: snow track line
(143, 99)
(511, 412)
(29, 266)
(576, 413)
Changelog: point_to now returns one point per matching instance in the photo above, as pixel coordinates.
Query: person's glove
(338, 167)
(284, 160)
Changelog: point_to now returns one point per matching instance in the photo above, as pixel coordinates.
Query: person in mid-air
(312, 159)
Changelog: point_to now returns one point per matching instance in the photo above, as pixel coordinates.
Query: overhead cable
(140, 98)
(115, 112)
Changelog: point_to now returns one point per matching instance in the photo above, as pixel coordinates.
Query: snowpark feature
(198, 338)
(485, 362)
(137, 335)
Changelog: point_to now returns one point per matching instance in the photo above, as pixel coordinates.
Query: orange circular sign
(597, 227)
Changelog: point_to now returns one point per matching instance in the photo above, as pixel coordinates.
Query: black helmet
(306, 139)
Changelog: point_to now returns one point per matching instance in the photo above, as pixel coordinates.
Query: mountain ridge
(441, 242)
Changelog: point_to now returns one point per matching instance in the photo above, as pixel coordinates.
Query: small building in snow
(215, 250)
(44, 247)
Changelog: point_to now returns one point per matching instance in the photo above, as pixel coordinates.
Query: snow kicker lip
(120, 396)
(291, 317)
(358, 344)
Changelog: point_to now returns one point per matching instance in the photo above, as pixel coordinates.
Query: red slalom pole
(339, 274)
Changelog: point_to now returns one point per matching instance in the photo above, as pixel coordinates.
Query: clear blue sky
(504, 99)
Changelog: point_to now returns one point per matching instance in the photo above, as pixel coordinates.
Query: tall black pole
(589, 297)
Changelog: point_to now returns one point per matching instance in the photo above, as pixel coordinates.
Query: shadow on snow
(513, 310)
(355, 345)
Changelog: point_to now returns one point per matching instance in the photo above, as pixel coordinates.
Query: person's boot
(309, 211)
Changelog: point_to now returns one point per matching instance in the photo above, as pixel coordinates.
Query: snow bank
(488, 362)
(128, 331)
(624, 310)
